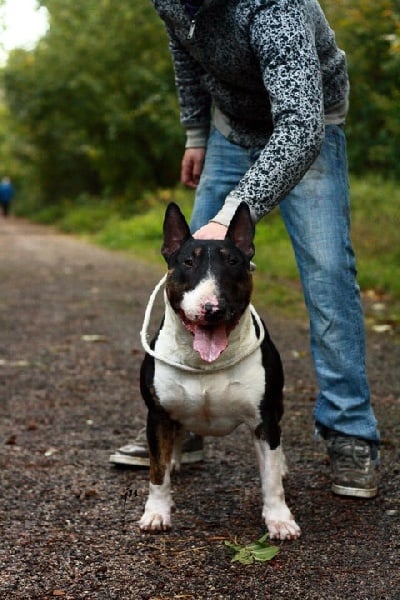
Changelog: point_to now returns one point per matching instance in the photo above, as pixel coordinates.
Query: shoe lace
(351, 453)
(141, 437)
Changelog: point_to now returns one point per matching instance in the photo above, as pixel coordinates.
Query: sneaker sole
(128, 461)
(342, 490)
(137, 461)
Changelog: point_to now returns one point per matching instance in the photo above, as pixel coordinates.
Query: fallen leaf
(14, 363)
(299, 353)
(259, 551)
(93, 337)
(382, 328)
(378, 307)
(50, 452)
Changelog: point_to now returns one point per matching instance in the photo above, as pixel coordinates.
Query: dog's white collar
(208, 368)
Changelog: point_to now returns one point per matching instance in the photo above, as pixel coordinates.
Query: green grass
(375, 234)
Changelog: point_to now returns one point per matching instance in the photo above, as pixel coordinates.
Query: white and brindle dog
(212, 366)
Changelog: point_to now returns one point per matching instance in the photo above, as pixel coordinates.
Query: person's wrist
(218, 223)
(196, 137)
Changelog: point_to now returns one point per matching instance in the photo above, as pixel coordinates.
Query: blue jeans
(316, 214)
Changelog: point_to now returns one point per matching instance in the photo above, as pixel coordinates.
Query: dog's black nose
(213, 311)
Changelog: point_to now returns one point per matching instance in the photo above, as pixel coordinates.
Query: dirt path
(69, 358)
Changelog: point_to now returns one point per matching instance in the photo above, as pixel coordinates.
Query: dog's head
(209, 282)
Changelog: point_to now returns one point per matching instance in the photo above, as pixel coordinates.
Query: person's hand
(192, 166)
(211, 231)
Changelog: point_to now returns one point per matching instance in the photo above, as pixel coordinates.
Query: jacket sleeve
(283, 42)
(194, 100)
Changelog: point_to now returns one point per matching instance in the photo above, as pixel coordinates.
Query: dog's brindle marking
(213, 282)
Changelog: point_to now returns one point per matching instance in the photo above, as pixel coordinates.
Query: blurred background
(91, 139)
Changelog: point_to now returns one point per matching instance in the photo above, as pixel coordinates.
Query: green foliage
(92, 109)
(86, 218)
(369, 32)
(375, 220)
(376, 225)
(96, 101)
(259, 551)
(142, 233)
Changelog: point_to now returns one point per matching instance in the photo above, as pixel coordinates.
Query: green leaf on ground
(259, 551)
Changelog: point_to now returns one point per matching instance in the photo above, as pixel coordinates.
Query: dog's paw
(283, 530)
(153, 522)
(282, 526)
(157, 511)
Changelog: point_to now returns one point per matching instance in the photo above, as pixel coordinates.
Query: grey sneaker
(136, 454)
(353, 466)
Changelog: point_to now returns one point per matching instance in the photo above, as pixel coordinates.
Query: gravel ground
(70, 314)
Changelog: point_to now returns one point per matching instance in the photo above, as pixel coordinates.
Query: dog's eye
(232, 260)
(188, 262)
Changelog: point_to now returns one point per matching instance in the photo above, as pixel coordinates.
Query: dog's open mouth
(209, 340)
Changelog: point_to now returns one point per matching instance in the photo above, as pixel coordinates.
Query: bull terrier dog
(212, 366)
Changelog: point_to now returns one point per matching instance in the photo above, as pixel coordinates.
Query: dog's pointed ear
(176, 230)
(241, 230)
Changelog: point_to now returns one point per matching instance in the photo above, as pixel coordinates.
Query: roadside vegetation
(90, 136)
(375, 234)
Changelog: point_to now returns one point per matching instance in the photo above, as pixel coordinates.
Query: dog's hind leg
(278, 518)
(161, 433)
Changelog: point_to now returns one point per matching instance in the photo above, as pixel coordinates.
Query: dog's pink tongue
(209, 343)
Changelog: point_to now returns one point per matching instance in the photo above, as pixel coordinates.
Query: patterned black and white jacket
(269, 74)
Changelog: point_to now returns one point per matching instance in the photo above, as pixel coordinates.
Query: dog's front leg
(176, 459)
(278, 518)
(161, 432)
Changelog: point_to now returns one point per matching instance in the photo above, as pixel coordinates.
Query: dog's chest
(211, 403)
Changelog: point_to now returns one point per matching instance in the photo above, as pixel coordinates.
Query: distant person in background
(6, 195)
